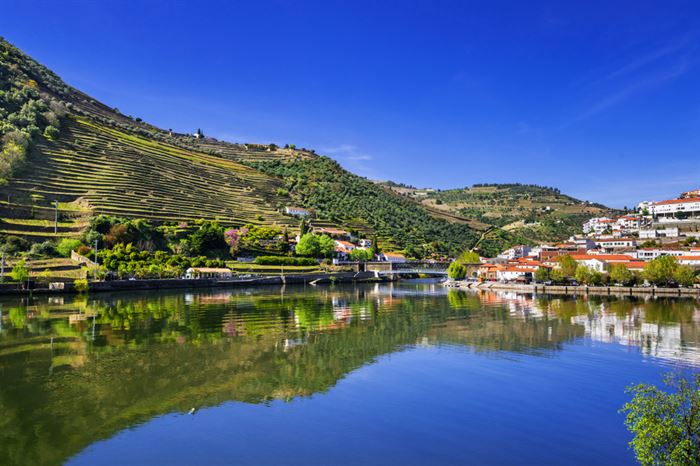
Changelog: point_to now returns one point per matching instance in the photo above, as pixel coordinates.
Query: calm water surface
(378, 374)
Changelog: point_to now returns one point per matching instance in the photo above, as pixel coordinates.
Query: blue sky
(601, 99)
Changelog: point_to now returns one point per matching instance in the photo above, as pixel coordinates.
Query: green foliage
(285, 260)
(361, 255)
(208, 240)
(684, 275)
(660, 271)
(313, 245)
(557, 276)
(469, 257)
(46, 249)
(51, 132)
(13, 245)
(128, 261)
(20, 272)
(262, 239)
(666, 425)
(456, 271)
(567, 265)
(66, 245)
(81, 285)
(621, 274)
(542, 274)
(588, 276)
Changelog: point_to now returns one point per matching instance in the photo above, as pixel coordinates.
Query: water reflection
(78, 369)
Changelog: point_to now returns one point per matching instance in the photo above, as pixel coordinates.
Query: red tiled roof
(678, 201)
(601, 257)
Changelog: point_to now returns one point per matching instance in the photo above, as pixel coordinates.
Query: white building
(668, 232)
(208, 272)
(648, 254)
(516, 252)
(514, 273)
(692, 261)
(597, 225)
(610, 244)
(296, 211)
(676, 209)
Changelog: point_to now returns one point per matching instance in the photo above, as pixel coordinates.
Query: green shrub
(20, 272)
(81, 285)
(456, 271)
(47, 248)
(66, 245)
(285, 260)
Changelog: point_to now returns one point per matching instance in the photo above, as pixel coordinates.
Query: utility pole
(55, 218)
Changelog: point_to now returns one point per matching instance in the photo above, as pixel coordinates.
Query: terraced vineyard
(116, 173)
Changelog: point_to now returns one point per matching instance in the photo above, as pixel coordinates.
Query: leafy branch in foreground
(666, 426)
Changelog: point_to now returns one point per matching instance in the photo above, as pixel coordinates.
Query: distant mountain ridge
(61, 146)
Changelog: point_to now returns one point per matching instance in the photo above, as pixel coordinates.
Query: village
(664, 228)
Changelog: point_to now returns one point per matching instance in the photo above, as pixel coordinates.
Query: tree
(361, 255)
(621, 274)
(542, 274)
(660, 271)
(469, 257)
(208, 240)
(326, 246)
(51, 132)
(583, 274)
(308, 245)
(456, 271)
(303, 227)
(557, 276)
(20, 272)
(666, 426)
(684, 275)
(568, 265)
(595, 278)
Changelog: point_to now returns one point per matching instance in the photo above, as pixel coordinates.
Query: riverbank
(171, 284)
(575, 290)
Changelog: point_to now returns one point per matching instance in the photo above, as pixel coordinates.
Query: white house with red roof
(692, 261)
(610, 244)
(676, 209)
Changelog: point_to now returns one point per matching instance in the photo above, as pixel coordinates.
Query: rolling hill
(531, 212)
(66, 155)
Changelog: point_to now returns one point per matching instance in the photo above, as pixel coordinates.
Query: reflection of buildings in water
(291, 343)
(665, 341)
(216, 298)
(519, 305)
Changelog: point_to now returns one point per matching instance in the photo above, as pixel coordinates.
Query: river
(399, 373)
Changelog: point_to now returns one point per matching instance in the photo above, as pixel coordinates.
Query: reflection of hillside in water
(76, 370)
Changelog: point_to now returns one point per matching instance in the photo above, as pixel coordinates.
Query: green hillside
(530, 212)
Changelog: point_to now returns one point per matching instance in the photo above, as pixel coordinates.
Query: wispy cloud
(352, 157)
(632, 88)
(616, 82)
